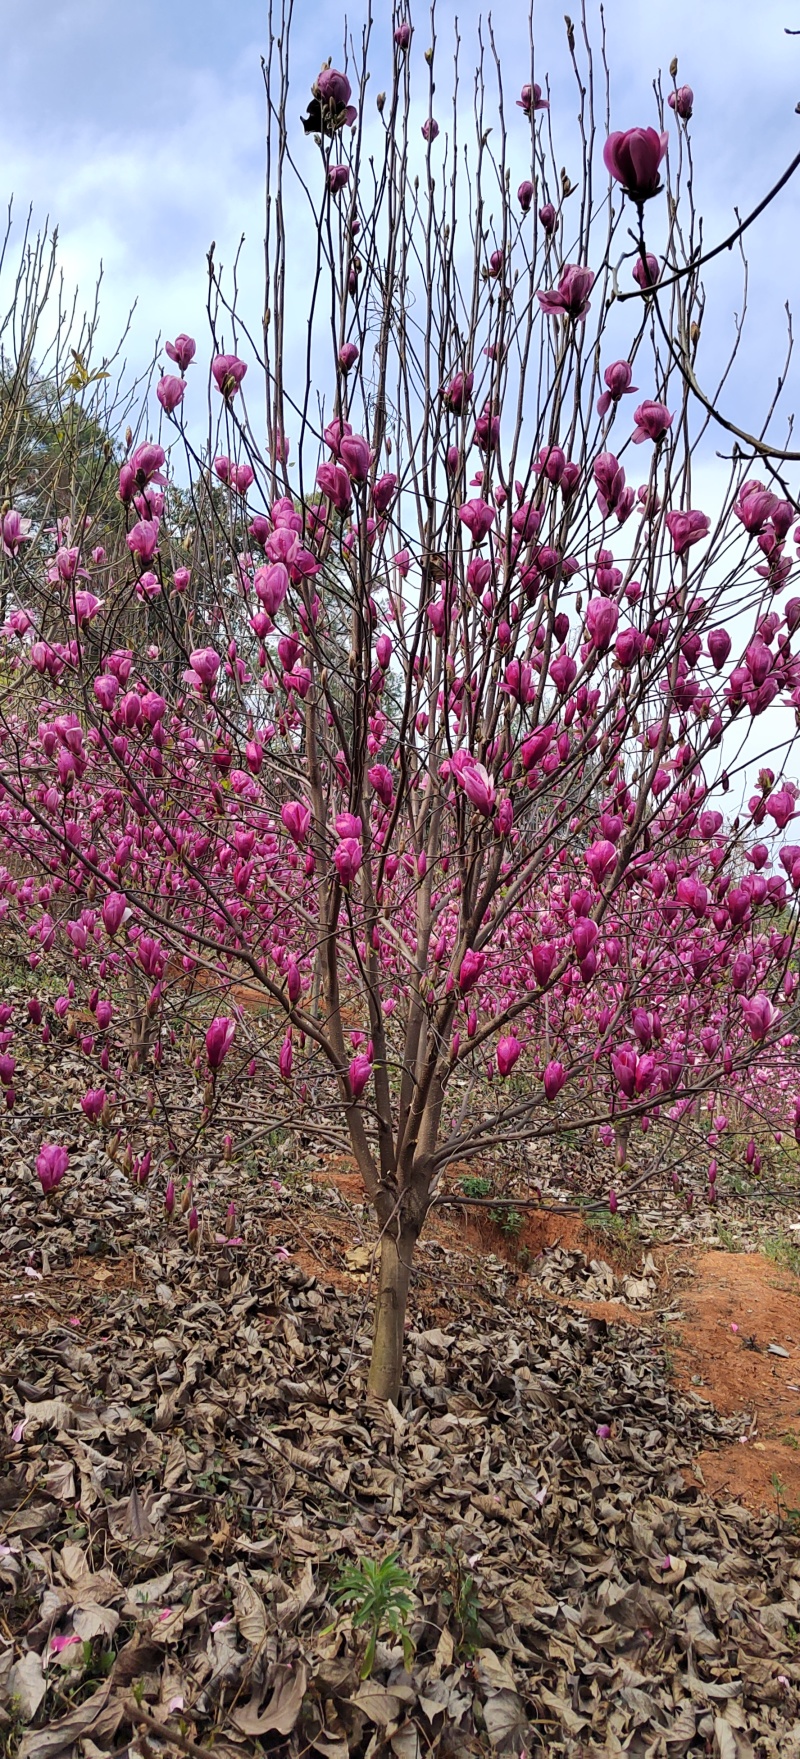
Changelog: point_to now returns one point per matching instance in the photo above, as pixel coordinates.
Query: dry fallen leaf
(283, 1708)
(98, 1716)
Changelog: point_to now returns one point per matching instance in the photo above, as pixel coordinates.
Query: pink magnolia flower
(478, 516)
(686, 528)
(147, 463)
(347, 857)
(271, 585)
(548, 217)
(182, 351)
(338, 178)
(169, 392)
(219, 1038)
(609, 479)
(228, 371)
(629, 645)
(525, 195)
(544, 958)
(334, 92)
(602, 617)
(646, 273)
(618, 382)
(759, 1014)
(296, 817)
(348, 824)
(334, 483)
(15, 530)
(601, 858)
(86, 606)
(781, 807)
(384, 491)
(347, 356)
(719, 647)
(20, 622)
(478, 787)
(563, 671)
(518, 681)
(93, 1102)
(205, 663)
(285, 1057)
(571, 296)
(555, 1076)
(242, 477)
(652, 422)
(508, 1051)
(473, 966)
(51, 1164)
(633, 157)
(682, 102)
(402, 35)
(430, 128)
(531, 99)
(380, 778)
(142, 539)
(358, 1074)
(356, 456)
(113, 911)
(755, 506)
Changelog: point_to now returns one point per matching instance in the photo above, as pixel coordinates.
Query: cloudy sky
(140, 131)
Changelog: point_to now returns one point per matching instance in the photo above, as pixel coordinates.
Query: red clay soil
(737, 1305)
(474, 1231)
(73, 1297)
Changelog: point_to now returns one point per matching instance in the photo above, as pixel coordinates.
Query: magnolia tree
(415, 704)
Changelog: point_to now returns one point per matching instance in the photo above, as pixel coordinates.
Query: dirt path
(739, 1347)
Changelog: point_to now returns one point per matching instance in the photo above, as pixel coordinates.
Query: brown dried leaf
(281, 1713)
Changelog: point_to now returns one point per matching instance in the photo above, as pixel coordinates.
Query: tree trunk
(386, 1366)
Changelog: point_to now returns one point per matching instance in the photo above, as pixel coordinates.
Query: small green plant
(97, 1662)
(461, 1600)
(475, 1185)
(783, 1251)
(787, 1517)
(743, 1187)
(380, 1598)
(727, 1238)
(625, 1228)
(509, 1221)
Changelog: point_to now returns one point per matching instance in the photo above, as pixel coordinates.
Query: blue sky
(140, 130)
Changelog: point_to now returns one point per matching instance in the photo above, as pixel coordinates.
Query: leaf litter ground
(190, 1459)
